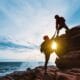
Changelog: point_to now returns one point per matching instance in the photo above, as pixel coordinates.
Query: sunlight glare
(54, 45)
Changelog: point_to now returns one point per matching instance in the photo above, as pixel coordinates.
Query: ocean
(9, 67)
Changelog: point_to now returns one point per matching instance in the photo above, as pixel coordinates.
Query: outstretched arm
(56, 25)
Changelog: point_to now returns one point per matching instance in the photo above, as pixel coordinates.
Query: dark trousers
(47, 56)
(63, 26)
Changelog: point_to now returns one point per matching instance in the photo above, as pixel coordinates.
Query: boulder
(68, 49)
(37, 73)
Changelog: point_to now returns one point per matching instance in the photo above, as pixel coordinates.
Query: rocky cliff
(53, 73)
(69, 49)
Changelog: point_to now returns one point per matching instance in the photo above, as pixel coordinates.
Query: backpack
(62, 19)
(46, 47)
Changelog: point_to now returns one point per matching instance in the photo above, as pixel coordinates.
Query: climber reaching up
(45, 48)
(60, 23)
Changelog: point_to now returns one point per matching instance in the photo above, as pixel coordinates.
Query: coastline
(53, 73)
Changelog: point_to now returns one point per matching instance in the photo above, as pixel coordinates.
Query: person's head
(45, 37)
(56, 16)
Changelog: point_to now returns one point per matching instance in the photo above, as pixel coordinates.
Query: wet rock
(37, 73)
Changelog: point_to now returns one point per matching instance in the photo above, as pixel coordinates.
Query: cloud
(7, 44)
(25, 22)
(26, 18)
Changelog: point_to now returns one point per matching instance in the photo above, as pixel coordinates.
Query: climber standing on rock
(60, 23)
(46, 49)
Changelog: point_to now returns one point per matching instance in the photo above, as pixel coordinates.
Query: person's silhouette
(46, 49)
(60, 23)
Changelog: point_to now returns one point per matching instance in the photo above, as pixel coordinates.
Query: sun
(54, 45)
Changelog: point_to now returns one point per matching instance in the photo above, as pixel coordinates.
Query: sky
(23, 23)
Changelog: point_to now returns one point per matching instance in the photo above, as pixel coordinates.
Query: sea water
(9, 67)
